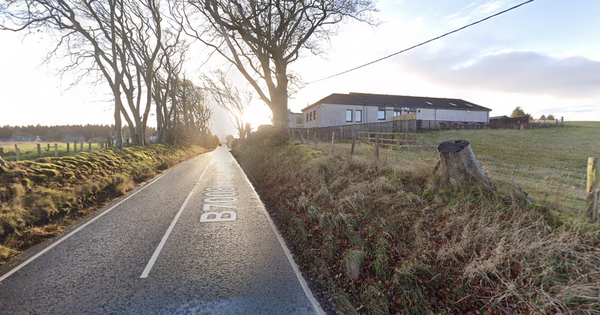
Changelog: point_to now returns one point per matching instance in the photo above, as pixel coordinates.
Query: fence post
(48, 148)
(1, 152)
(332, 140)
(74, 146)
(80, 146)
(593, 188)
(68, 147)
(39, 149)
(90, 147)
(353, 143)
(18, 153)
(56, 150)
(377, 146)
(316, 140)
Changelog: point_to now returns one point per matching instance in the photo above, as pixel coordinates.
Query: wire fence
(562, 188)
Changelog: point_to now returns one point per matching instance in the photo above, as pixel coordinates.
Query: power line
(423, 43)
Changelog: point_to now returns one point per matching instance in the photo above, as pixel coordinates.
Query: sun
(258, 113)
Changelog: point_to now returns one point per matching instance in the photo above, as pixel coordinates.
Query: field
(29, 149)
(549, 164)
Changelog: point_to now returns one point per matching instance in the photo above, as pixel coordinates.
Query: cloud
(523, 72)
(475, 11)
(579, 109)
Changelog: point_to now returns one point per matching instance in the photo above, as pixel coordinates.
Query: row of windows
(358, 115)
(311, 116)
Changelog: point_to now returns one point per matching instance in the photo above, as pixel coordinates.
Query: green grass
(549, 164)
(29, 150)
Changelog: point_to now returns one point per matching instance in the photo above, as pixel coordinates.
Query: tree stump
(459, 164)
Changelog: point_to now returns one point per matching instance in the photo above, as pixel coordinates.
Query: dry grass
(380, 237)
(38, 198)
(549, 164)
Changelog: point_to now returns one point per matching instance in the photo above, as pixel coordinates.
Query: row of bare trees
(138, 47)
(135, 48)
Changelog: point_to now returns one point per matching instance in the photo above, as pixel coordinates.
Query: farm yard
(549, 164)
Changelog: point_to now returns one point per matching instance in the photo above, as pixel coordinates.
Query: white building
(296, 120)
(360, 108)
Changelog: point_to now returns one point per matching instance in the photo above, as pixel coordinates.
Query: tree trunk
(459, 164)
(280, 109)
(118, 126)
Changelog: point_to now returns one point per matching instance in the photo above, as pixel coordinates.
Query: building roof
(398, 101)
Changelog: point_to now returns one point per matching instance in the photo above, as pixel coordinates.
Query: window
(315, 115)
(348, 115)
(298, 120)
(358, 115)
(381, 114)
(307, 119)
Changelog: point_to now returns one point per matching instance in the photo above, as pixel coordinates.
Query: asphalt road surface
(196, 240)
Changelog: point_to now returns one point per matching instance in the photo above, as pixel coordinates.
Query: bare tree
(230, 98)
(168, 71)
(191, 117)
(261, 38)
(120, 38)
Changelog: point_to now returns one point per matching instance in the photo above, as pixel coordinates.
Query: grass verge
(38, 199)
(380, 238)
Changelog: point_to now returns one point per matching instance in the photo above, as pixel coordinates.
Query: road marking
(303, 283)
(169, 230)
(219, 194)
(67, 236)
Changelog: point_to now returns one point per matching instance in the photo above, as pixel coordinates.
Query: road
(195, 240)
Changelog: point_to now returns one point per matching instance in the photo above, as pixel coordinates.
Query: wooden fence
(29, 151)
(347, 131)
(392, 139)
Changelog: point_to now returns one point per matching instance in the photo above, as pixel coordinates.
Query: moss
(36, 193)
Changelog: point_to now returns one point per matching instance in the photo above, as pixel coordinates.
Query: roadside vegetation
(38, 199)
(382, 237)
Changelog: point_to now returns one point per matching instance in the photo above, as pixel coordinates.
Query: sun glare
(258, 114)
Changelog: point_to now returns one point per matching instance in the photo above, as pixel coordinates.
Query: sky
(543, 56)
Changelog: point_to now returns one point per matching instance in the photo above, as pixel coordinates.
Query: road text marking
(218, 195)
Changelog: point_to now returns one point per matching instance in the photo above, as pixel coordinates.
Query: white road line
(64, 238)
(168, 232)
(288, 254)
